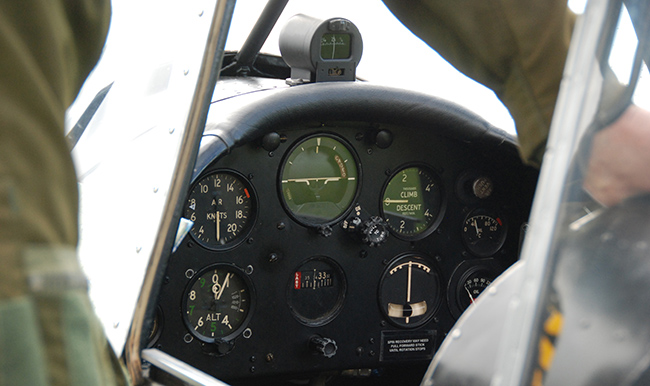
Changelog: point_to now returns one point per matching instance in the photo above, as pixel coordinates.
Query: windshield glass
(392, 55)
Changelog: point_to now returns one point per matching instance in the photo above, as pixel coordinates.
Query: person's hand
(619, 166)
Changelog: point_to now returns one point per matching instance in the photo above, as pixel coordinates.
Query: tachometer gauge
(409, 291)
(222, 207)
(412, 203)
(217, 303)
(319, 180)
(483, 233)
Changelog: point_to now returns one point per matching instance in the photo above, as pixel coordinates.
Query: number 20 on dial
(222, 207)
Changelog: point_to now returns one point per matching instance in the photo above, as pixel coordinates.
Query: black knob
(323, 346)
(384, 139)
(271, 141)
(374, 231)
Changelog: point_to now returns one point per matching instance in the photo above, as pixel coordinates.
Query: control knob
(374, 231)
(323, 346)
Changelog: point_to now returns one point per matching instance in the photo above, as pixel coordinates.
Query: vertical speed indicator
(222, 207)
(412, 202)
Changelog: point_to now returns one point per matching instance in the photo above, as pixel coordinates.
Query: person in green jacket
(518, 48)
(49, 334)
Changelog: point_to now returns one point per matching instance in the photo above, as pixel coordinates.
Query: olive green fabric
(515, 47)
(49, 334)
(47, 48)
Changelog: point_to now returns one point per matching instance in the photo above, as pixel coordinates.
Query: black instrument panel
(351, 244)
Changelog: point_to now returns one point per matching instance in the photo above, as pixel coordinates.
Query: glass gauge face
(222, 207)
(335, 46)
(409, 292)
(217, 303)
(319, 180)
(471, 286)
(412, 202)
(483, 233)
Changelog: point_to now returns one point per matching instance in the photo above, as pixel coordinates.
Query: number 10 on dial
(222, 207)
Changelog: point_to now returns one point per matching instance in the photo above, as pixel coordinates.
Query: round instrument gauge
(319, 180)
(222, 206)
(468, 281)
(412, 202)
(472, 285)
(409, 291)
(316, 291)
(483, 233)
(217, 303)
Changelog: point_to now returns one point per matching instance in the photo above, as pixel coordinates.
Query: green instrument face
(319, 180)
(412, 202)
(335, 46)
(217, 303)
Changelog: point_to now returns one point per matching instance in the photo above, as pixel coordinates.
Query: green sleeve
(49, 334)
(515, 47)
(47, 48)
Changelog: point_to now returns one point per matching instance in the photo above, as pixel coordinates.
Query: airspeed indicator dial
(222, 207)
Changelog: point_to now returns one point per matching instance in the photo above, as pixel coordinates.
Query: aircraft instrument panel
(343, 232)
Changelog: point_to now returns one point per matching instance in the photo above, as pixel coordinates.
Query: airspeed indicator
(222, 207)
